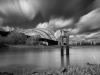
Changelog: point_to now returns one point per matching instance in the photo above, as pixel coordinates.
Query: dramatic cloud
(57, 34)
(1, 21)
(19, 9)
(95, 35)
(27, 9)
(88, 23)
(60, 23)
(55, 24)
(43, 25)
(60, 13)
(7, 28)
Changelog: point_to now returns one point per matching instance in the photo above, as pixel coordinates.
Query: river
(15, 59)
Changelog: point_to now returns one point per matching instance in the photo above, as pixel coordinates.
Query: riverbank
(90, 69)
(46, 47)
(31, 46)
(3, 45)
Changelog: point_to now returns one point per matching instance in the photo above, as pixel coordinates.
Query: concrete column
(67, 44)
(62, 44)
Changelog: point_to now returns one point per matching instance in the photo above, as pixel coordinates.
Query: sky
(16, 12)
(53, 14)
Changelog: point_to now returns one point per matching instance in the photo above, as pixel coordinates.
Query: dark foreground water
(15, 59)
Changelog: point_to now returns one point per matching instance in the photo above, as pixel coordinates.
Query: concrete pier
(64, 34)
(62, 43)
(67, 43)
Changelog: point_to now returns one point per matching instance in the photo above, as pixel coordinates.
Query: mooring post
(67, 43)
(62, 44)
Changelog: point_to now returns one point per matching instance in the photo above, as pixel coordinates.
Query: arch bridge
(44, 33)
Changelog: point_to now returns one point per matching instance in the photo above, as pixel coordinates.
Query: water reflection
(62, 61)
(67, 60)
(50, 58)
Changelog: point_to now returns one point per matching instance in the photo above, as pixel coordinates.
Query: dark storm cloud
(18, 9)
(1, 21)
(28, 13)
(26, 24)
(29, 8)
(68, 8)
(88, 23)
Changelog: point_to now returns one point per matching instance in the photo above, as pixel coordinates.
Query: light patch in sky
(89, 22)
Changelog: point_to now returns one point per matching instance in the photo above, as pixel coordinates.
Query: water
(15, 59)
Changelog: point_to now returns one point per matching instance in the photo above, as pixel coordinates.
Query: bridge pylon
(64, 39)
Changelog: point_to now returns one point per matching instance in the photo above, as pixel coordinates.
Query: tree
(16, 38)
(33, 40)
(1, 40)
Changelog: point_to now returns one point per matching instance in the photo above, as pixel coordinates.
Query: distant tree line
(15, 38)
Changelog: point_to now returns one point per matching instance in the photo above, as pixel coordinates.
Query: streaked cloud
(28, 9)
(19, 9)
(88, 23)
(1, 21)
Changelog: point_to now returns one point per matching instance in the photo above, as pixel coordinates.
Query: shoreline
(89, 69)
(30, 46)
(53, 46)
(71, 70)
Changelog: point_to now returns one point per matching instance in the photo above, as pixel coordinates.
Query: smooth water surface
(15, 59)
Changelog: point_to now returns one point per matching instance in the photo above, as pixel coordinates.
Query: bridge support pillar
(67, 44)
(62, 45)
(66, 36)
